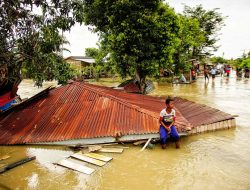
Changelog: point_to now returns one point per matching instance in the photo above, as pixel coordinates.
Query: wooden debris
(146, 144)
(111, 150)
(123, 147)
(74, 166)
(75, 147)
(139, 142)
(108, 144)
(99, 157)
(82, 157)
(89, 145)
(15, 164)
(85, 150)
(4, 157)
(94, 148)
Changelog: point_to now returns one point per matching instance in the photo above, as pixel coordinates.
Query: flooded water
(215, 160)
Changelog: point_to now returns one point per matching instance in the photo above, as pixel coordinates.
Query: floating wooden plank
(105, 144)
(15, 164)
(4, 157)
(75, 166)
(82, 157)
(123, 147)
(91, 149)
(94, 148)
(98, 157)
(89, 145)
(111, 150)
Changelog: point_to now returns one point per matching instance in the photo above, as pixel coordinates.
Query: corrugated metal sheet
(132, 88)
(79, 110)
(189, 112)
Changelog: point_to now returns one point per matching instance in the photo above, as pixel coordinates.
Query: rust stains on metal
(81, 111)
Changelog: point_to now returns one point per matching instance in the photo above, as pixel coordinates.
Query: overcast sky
(234, 38)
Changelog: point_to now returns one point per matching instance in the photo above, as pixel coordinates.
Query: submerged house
(90, 114)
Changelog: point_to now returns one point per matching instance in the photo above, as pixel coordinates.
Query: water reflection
(33, 181)
(213, 83)
(205, 88)
(47, 157)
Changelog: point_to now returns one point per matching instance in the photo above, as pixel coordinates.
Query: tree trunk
(141, 78)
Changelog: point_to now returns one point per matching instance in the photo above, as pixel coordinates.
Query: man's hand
(168, 128)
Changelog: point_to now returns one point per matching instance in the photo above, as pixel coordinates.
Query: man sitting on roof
(167, 127)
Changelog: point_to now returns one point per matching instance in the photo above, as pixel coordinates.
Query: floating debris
(85, 158)
(139, 142)
(91, 149)
(111, 150)
(15, 164)
(99, 157)
(91, 158)
(74, 166)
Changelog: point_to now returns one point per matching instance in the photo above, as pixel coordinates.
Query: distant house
(78, 62)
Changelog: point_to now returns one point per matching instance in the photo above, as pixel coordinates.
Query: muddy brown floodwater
(215, 160)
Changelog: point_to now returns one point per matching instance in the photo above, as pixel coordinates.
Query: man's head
(170, 102)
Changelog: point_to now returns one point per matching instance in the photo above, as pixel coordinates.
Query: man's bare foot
(163, 146)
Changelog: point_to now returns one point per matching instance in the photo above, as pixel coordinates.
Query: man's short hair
(169, 99)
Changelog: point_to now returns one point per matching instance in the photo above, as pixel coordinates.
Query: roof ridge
(120, 100)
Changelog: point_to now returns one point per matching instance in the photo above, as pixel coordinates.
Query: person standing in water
(213, 72)
(206, 74)
(167, 127)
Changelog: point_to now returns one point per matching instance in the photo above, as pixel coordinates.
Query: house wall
(74, 64)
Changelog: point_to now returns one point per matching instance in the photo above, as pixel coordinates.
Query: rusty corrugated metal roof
(79, 111)
(189, 112)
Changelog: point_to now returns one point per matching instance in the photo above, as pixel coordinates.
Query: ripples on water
(216, 160)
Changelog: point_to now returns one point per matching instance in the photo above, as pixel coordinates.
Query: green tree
(191, 37)
(241, 62)
(99, 65)
(30, 38)
(218, 60)
(245, 63)
(103, 63)
(210, 21)
(141, 36)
